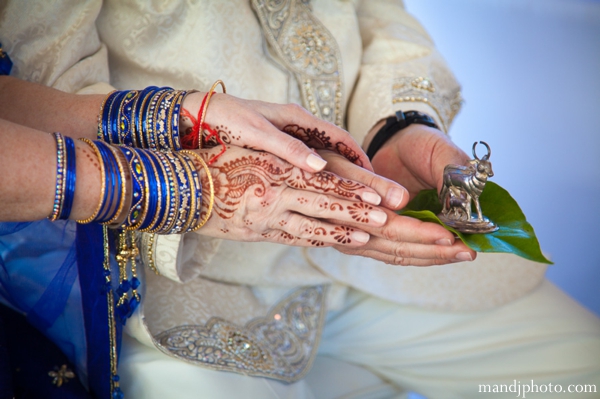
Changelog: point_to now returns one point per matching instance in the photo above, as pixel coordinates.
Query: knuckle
(405, 262)
(389, 232)
(399, 261)
(321, 204)
(402, 251)
(306, 228)
(285, 238)
(295, 148)
(295, 109)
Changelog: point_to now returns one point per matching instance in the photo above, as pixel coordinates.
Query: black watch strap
(394, 124)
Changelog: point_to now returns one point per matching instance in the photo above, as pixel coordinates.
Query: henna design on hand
(348, 153)
(224, 134)
(320, 231)
(234, 178)
(320, 140)
(92, 157)
(316, 243)
(287, 237)
(342, 234)
(325, 182)
(336, 207)
(360, 212)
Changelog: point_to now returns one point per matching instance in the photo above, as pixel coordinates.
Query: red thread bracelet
(195, 138)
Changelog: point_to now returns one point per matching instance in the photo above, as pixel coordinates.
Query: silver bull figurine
(462, 186)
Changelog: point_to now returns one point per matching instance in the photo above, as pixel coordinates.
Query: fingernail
(361, 236)
(464, 256)
(371, 198)
(444, 241)
(378, 217)
(394, 197)
(315, 162)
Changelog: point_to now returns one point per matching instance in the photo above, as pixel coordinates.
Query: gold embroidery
(112, 330)
(149, 243)
(422, 89)
(309, 50)
(281, 345)
(60, 376)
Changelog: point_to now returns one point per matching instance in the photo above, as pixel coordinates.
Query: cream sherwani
(261, 309)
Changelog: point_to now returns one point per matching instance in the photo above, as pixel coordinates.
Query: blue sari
(55, 274)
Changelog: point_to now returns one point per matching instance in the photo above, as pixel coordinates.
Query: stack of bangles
(143, 119)
(149, 118)
(142, 190)
(149, 183)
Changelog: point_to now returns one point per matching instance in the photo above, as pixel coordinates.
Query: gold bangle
(103, 186)
(193, 183)
(210, 93)
(119, 157)
(211, 187)
(145, 194)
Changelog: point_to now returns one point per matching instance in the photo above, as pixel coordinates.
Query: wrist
(387, 128)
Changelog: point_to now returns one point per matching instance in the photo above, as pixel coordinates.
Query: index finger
(316, 133)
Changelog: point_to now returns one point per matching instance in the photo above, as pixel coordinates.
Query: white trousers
(376, 349)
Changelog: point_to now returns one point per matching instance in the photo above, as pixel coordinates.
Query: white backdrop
(530, 71)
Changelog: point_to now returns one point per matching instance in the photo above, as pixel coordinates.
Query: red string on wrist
(189, 141)
(195, 138)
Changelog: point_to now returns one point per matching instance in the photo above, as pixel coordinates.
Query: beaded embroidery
(421, 89)
(281, 345)
(309, 50)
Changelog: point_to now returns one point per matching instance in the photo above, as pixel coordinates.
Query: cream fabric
(385, 54)
(377, 349)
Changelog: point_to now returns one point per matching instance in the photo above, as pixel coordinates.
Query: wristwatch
(394, 124)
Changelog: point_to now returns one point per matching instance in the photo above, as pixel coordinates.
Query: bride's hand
(260, 197)
(286, 131)
(402, 240)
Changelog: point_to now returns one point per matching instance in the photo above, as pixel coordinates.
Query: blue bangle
(106, 108)
(195, 195)
(151, 189)
(110, 172)
(113, 120)
(161, 191)
(125, 118)
(138, 137)
(171, 191)
(137, 186)
(174, 122)
(70, 179)
(183, 194)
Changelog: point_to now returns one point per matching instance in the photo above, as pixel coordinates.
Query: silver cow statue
(462, 186)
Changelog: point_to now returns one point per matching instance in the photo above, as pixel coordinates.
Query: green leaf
(515, 235)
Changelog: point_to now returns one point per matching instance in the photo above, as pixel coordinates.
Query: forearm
(28, 175)
(47, 109)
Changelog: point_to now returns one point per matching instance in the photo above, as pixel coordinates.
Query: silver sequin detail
(281, 345)
(305, 47)
(423, 89)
